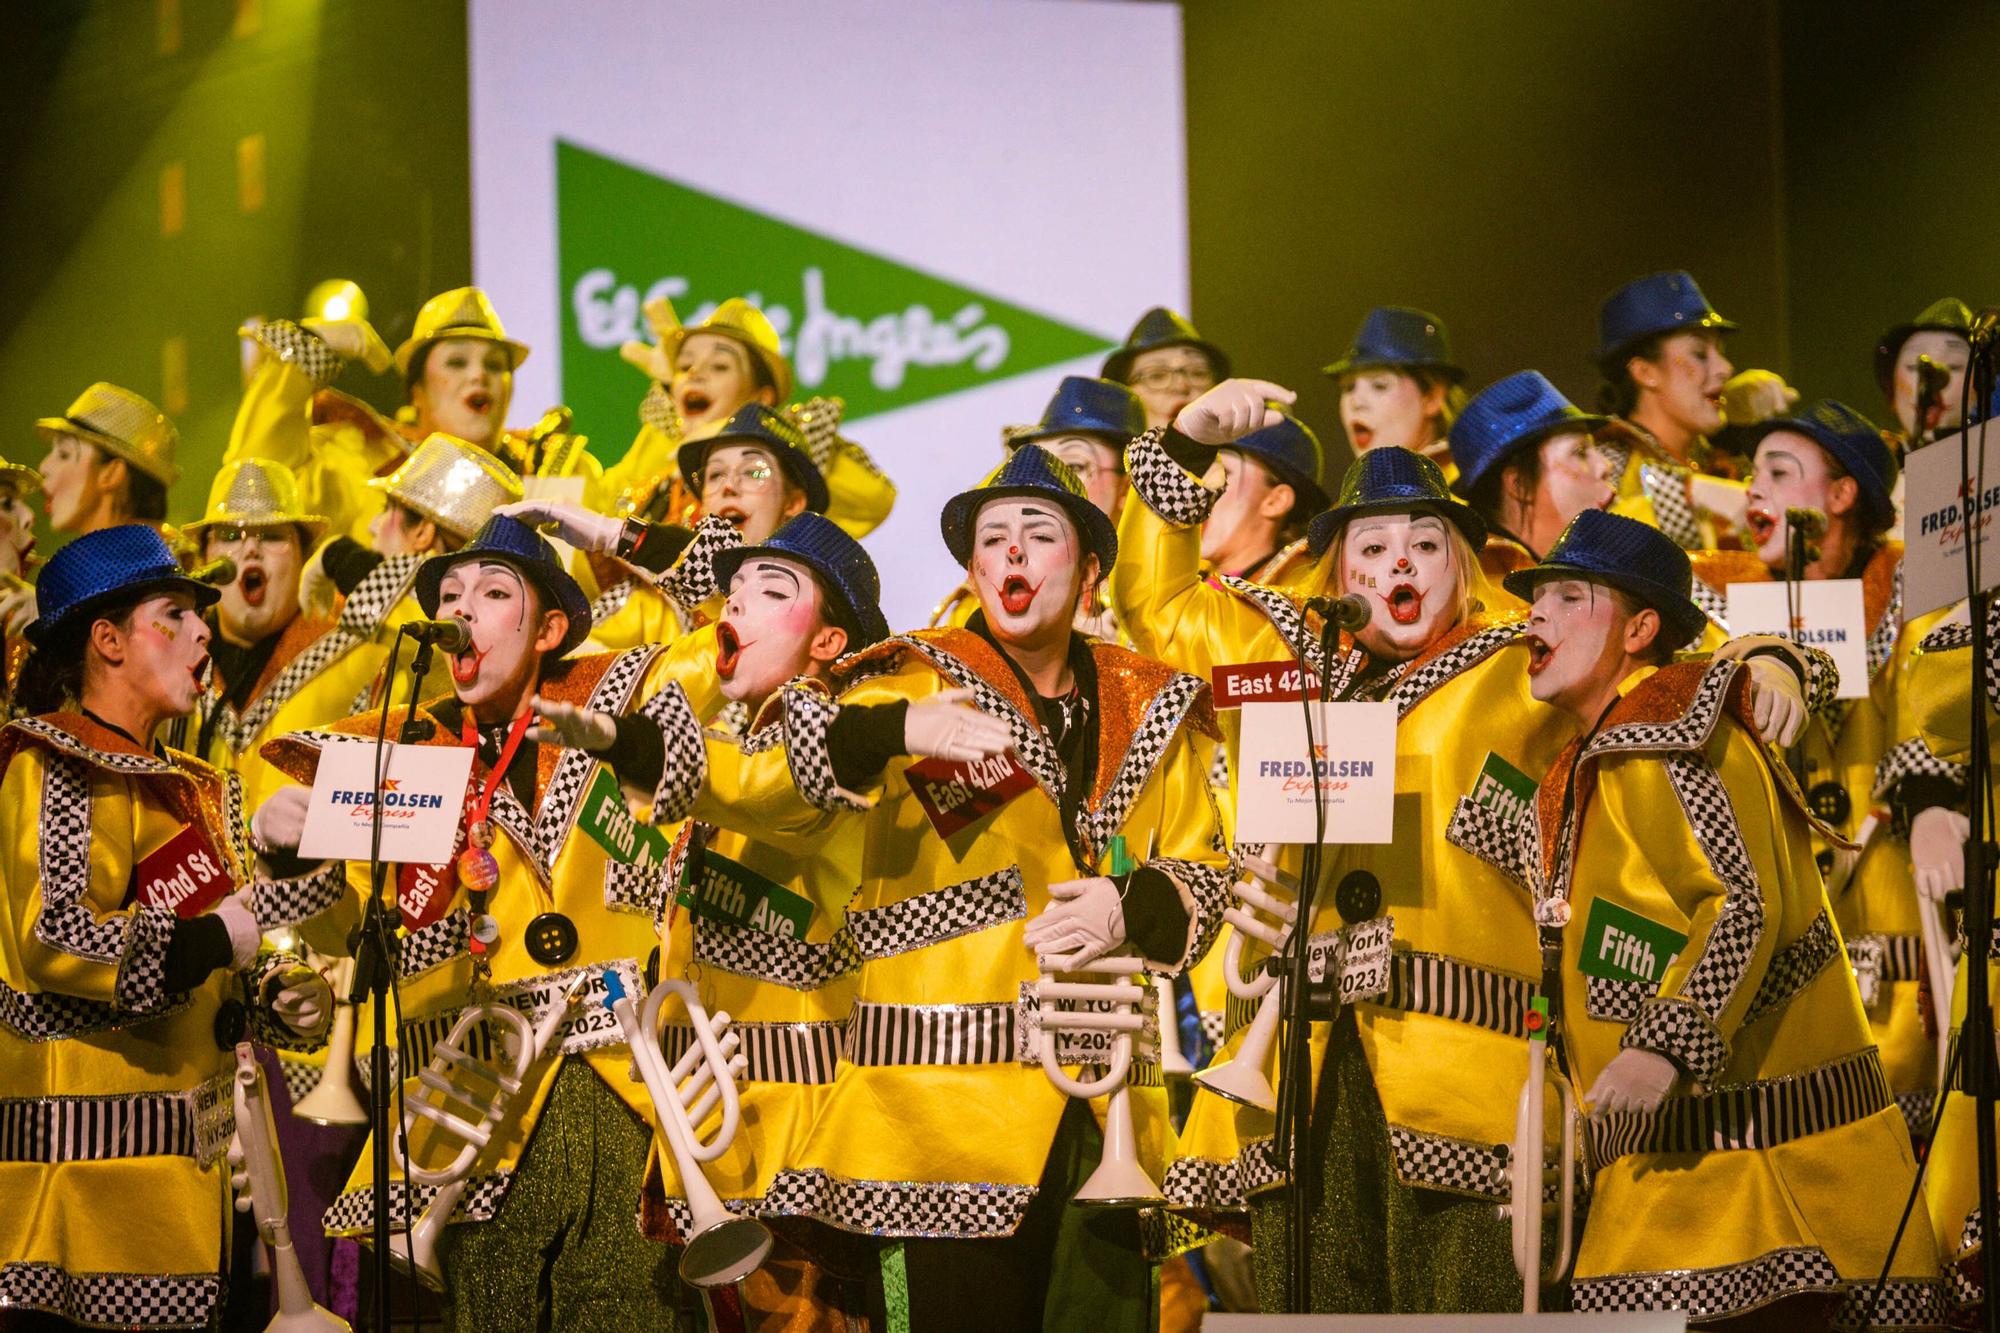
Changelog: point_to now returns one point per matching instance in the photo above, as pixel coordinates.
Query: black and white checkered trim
(1413, 687)
(1666, 485)
(1908, 759)
(1690, 731)
(685, 772)
(1888, 627)
(298, 347)
(808, 717)
(1031, 743)
(55, 738)
(773, 1052)
(287, 902)
(353, 1212)
(1674, 1027)
(1203, 1184)
(1428, 983)
(433, 946)
(1794, 967)
(571, 778)
(942, 914)
(1165, 713)
(1711, 1293)
(1168, 489)
(142, 975)
(1614, 1000)
(1760, 1115)
(301, 1076)
(95, 1129)
(1713, 601)
(966, 1210)
(1482, 832)
(930, 1034)
(640, 889)
(690, 580)
(266, 1027)
(818, 419)
(48, 1016)
(783, 961)
(611, 601)
(66, 923)
(1913, 1303)
(240, 731)
(1456, 1166)
(1917, 1108)
(113, 1300)
(377, 594)
(234, 826)
(1285, 615)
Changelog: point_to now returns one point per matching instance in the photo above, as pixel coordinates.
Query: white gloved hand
(1085, 920)
(652, 357)
(280, 821)
(947, 726)
(18, 610)
(245, 936)
(1233, 409)
(301, 999)
(571, 725)
(317, 590)
(585, 529)
(1937, 851)
(1752, 396)
(354, 339)
(1634, 1081)
(1777, 703)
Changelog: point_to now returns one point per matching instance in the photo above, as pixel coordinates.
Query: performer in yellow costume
(131, 964)
(1747, 1150)
(1399, 387)
(1166, 363)
(970, 870)
(549, 882)
(1528, 462)
(110, 461)
(1659, 348)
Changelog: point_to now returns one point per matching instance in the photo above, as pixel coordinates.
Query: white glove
(244, 934)
(585, 529)
(947, 726)
(1937, 851)
(1084, 921)
(652, 357)
(1231, 410)
(354, 339)
(317, 590)
(1752, 396)
(18, 611)
(570, 725)
(1634, 1081)
(1777, 703)
(281, 821)
(301, 999)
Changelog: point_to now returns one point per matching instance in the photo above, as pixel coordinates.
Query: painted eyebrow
(773, 567)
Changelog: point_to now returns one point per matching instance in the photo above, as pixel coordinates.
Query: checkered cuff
(809, 716)
(819, 420)
(142, 971)
(265, 1025)
(287, 902)
(1168, 489)
(685, 769)
(690, 580)
(1676, 1029)
(1204, 891)
(656, 409)
(1913, 759)
(1819, 678)
(302, 350)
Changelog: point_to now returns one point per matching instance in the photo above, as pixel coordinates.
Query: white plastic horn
(1243, 1078)
(258, 1174)
(1119, 1180)
(1527, 1164)
(722, 1247)
(335, 1099)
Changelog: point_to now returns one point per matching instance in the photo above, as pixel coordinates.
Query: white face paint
(166, 647)
(1790, 472)
(464, 389)
(1691, 372)
(1385, 408)
(1027, 568)
(1403, 565)
(1948, 350)
(767, 628)
(510, 632)
(1575, 642)
(264, 597)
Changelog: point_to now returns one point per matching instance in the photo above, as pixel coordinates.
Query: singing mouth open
(1362, 435)
(735, 517)
(479, 402)
(1539, 654)
(252, 582)
(728, 650)
(465, 665)
(1405, 604)
(1017, 594)
(199, 671)
(1762, 524)
(695, 402)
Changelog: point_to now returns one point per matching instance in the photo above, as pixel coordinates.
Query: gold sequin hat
(25, 480)
(453, 484)
(255, 493)
(124, 425)
(742, 322)
(462, 312)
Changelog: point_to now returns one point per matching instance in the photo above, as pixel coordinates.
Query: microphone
(1349, 612)
(450, 635)
(217, 573)
(1931, 377)
(1807, 523)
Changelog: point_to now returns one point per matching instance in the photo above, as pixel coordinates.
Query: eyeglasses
(1165, 377)
(230, 535)
(749, 478)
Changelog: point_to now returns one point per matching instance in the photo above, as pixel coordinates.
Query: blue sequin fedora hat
(1636, 557)
(1656, 303)
(1511, 414)
(845, 572)
(1161, 327)
(1293, 455)
(758, 424)
(1394, 481)
(1030, 470)
(1855, 442)
(1399, 338)
(1085, 406)
(513, 542)
(127, 562)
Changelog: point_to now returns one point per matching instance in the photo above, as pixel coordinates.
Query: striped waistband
(1893, 957)
(1428, 983)
(193, 1123)
(772, 1052)
(1755, 1115)
(951, 1034)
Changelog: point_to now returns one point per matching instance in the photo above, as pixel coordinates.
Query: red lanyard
(469, 733)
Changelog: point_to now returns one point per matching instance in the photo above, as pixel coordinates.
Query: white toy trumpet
(722, 1247)
(1119, 1180)
(258, 1175)
(1243, 1079)
(335, 1099)
(1527, 1164)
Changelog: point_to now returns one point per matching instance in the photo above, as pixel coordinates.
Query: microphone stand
(374, 975)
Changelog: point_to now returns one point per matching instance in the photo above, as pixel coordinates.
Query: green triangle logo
(856, 324)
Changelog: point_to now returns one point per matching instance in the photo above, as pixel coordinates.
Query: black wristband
(863, 739)
(347, 562)
(1156, 919)
(198, 946)
(1190, 453)
(658, 546)
(638, 754)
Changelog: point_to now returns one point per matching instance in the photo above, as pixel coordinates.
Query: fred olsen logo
(1332, 774)
(396, 803)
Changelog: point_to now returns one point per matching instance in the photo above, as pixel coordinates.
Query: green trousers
(1378, 1246)
(564, 1250)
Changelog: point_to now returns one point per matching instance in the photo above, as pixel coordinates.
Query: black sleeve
(863, 739)
(659, 547)
(347, 562)
(639, 753)
(1156, 920)
(286, 865)
(1920, 792)
(1190, 454)
(199, 945)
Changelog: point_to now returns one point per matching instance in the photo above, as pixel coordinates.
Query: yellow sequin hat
(453, 484)
(737, 319)
(462, 312)
(123, 424)
(255, 493)
(25, 480)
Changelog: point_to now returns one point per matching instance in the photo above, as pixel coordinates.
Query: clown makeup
(166, 652)
(745, 484)
(17, 532)
(464, 389)
(264, 596)
(1575, 476)
(1240, 530)
(1027, 569)
(1097, 464)
(1576, 645)
(1950, 351)
(1682, 387)
(497, 672)
(1385, 408)
(713, 381)
(771, 625)
(1167, 379)
(1404, 565)
(1791, 472)
(73, 482)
